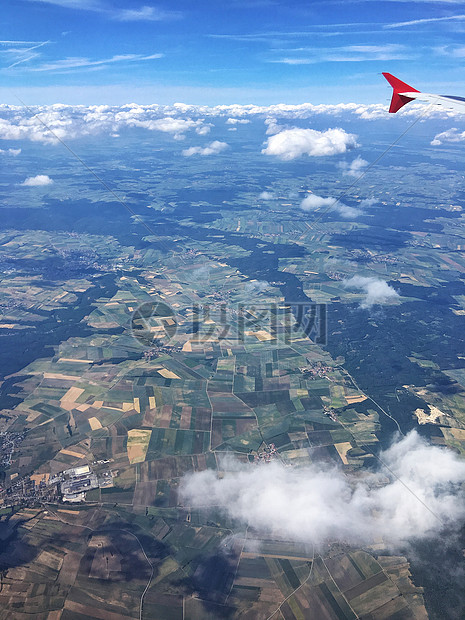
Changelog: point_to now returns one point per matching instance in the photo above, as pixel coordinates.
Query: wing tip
(398, 100)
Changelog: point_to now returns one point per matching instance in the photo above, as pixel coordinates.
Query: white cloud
(292, 143)
(88, 5)
(355, 168)
(428, 20)
(143, 13)
(237, 121)
(256, 286)
(203, 130)
(213, 148)
(372, 112)
(316, 504)
(67, 65)
(367, 202)
(345, 53)
(37, 181)
(266, 196)
(14, 152)
(272, 126)
(74, 121)
(146, 13)
(347, 211)
(454, 51)
(17, 52)
(376, 291)
(312, 202)
(176, 126)
(450, 135)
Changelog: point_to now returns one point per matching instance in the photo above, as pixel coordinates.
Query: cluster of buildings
(329, 411)
(75, 482)
(315, 370)
(268, 454)
(70, 486)
(8, 444)
(155, 351)
(360, 255)
(28, 491)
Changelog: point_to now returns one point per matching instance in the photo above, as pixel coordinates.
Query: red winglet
(398, 101)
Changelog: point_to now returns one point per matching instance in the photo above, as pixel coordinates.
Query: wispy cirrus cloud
(142, 13)
(14, 53)
(345, 53)
(427, 20)
(84, 5)
(146, 13)
(452, 51)
(67, 65)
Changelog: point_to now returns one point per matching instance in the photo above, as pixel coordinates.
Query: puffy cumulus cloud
(213, 148)
(346, 211)
(266, 196)
(415, 498)
(203, 130)
(237, 121)
(202, 273)
(355, 168)
(292, 143)
(368, 202)
(272, 126)
(312, 202)
(176, 126)
(14, 152)
(450, 135)
(37, 181)
(376, 291)
(256, 286)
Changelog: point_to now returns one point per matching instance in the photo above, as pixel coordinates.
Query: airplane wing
(403, 94)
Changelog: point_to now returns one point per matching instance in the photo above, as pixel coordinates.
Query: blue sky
(239, 51)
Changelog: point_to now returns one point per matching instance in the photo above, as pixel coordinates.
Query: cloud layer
(376, 291)
(70, 122)
(315, 504)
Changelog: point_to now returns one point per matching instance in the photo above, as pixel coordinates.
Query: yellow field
(69, 399)
(94, 424)
(78, 455)
(138, 443)
(168, 374)
(342, 449)
(38, 478)
(355, 399)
